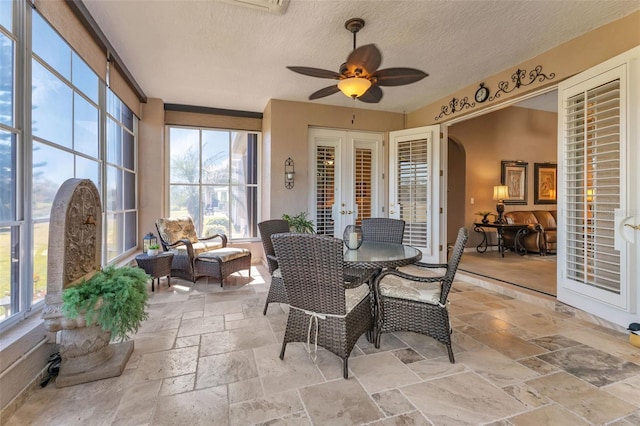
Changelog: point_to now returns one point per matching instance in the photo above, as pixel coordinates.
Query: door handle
(636, 227)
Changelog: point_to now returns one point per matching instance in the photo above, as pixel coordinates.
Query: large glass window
(61, 139)
(213, 177)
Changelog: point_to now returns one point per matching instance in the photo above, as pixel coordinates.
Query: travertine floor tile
(265, 408)
(200, 407)
(549, 415)
(341, 402)
(382, 371)
(225, 368)
(510, 345)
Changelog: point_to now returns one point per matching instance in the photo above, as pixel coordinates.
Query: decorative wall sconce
(289, 173)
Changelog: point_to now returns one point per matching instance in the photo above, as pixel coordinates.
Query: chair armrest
(185, 242)
(431, 265)
(272, 261)
(536, 227)
(221, 236)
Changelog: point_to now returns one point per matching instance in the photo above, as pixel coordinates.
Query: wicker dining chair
(277, 292)
(383, 230)
(418, 303)
(323, 308)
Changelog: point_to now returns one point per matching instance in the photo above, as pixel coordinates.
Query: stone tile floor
(207, 356)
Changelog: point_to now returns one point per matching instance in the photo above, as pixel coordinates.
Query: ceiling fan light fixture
(354, 87)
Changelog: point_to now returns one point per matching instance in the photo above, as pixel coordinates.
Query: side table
(157, 266)
(521, 230)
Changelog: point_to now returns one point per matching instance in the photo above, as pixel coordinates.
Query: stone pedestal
(87, 356)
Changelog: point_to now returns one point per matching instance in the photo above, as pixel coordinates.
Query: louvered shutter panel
(325, 189)
(363, 183)
(593, 183)
(413, 190)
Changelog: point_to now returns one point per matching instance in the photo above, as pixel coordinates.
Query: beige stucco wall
(508, 134)
(285, 129)
(564, 60)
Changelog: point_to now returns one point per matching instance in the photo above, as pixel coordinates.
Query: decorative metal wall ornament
(518, 78)
(456, 105)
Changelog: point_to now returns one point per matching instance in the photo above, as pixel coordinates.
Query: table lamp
(500, 193)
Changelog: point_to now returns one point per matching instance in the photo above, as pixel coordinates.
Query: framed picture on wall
(545, 183)
(514, 176)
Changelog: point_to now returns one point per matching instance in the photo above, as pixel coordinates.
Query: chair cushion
(224, 254)
(198, 248)
(353, 296)
(401, 288)
(173, 230)
(422, 272)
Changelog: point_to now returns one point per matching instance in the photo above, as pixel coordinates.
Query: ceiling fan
(359, 77)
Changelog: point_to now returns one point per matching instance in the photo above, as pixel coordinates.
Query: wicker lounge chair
(312, 269)
(195, 257)
(277, 292)
(418, 303)
(383, 230)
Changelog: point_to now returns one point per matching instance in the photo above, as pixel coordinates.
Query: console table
(521, 229)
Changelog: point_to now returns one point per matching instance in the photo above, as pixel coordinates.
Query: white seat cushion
(353, 296)
(400, 288)
(224, 254)
(422, 272)
(277, 273)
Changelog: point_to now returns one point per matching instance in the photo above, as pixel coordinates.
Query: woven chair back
(383, 230)
(312, 271)
(267, 229)
(454, 261)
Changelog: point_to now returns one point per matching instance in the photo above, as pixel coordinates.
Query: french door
(599, 202)
(346, 178)
(415, 183)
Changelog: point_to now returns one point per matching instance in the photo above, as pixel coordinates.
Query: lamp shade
(500, 192)
(354, 87)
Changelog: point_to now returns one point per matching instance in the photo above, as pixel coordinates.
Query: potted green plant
(113, 298)
(300, 223)
(153, 250)
(485, 216)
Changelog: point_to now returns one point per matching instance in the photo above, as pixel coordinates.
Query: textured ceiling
(220, 55)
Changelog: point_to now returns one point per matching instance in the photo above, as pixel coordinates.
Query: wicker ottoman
(221, 263)
(156, 266)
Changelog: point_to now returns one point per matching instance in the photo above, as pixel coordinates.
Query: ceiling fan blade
(372, 96)
(367, 58)
(330, 90)
(398, 76)
(316, 72)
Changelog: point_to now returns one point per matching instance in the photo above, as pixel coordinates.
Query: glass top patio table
(372, 255)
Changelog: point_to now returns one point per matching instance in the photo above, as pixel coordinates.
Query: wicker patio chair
(324, 310)
(277, 292)
(383, 230)
(418, 303)
(195, 257)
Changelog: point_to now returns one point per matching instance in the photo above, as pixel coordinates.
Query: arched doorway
(456, 178)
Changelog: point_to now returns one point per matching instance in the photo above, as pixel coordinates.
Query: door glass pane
(325, 189)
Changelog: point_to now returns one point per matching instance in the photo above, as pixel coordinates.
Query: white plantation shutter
(413, 190)
(325, 189)
(593, 185)
(363, 183)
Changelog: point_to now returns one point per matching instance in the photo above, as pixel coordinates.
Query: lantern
(147, 241)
